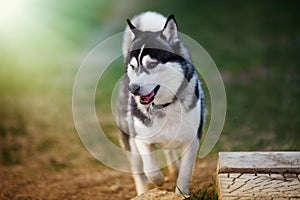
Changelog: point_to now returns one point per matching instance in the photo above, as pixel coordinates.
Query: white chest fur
(171, 126)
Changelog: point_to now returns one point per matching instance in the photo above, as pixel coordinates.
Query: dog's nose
(134, 88)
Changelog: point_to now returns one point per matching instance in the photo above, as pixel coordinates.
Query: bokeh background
(255, 44)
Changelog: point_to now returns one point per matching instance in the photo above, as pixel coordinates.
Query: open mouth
(149, 97)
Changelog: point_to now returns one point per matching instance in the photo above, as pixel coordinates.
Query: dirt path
(19, 182)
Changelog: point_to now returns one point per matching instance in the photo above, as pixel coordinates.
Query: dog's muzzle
(144, 99)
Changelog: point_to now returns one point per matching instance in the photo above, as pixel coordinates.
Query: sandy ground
(19, 182)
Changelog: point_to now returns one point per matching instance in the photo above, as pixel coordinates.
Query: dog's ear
(170, 31)
(134, 30)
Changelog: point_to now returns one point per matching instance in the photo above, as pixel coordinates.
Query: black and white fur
(161, 102)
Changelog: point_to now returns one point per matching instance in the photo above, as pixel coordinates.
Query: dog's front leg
(189, 154)
(151, 168)
(140, 180)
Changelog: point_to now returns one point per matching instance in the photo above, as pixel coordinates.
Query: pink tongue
(147, 98)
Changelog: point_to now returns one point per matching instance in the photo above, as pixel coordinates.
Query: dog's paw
(156, 177)
(182, 189)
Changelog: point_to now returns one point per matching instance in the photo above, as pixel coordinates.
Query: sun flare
(11, 11)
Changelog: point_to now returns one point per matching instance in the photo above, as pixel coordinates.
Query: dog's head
(154, 64)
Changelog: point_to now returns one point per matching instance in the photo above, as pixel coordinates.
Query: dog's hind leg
(139, 177)
(172, 162)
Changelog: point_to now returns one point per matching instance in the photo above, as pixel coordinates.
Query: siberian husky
(160, 103)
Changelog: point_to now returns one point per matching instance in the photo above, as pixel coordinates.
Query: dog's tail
(147, 21)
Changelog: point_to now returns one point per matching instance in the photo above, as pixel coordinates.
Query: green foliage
(204, 194)
(207, 192)
(255, 45)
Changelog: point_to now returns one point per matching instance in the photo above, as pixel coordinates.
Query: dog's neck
(155, 109)
(161, 106)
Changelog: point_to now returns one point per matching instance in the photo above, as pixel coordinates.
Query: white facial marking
(133, 62)
(132, 65)
(142, 48)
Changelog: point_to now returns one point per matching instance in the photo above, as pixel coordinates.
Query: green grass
(207, 193)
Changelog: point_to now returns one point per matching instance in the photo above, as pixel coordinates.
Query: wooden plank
(259, 175)
(259, 162)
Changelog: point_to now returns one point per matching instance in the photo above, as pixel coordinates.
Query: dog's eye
(132, 66)
(152, 64)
